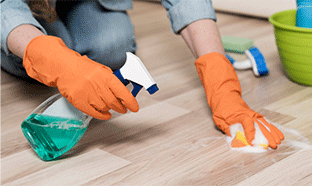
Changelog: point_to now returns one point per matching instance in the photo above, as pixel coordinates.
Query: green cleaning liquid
(52, 136)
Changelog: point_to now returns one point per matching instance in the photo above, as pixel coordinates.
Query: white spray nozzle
(135, 72)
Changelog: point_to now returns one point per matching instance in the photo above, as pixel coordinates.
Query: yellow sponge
(241, 141)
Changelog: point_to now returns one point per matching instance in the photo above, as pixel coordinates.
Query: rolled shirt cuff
(187, 11)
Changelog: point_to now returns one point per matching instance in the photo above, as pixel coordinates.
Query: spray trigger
(136, 88)
(134, 71)
(120, 77)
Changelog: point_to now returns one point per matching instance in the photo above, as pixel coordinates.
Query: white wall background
(259, 8)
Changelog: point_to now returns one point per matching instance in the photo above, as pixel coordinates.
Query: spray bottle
(304, 14)
(55, 126)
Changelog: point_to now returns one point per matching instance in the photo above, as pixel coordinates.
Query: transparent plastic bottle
(54, 127)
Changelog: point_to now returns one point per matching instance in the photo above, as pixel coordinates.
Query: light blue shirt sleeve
(183, 12)
(13, 14)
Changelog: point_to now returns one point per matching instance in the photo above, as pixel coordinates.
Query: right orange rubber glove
(223, 93)
(89, 86)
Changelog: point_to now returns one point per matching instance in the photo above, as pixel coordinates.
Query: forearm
(203, 37)
(19, 38)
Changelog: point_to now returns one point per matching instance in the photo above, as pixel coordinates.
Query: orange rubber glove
(89, 86)
(223, 93)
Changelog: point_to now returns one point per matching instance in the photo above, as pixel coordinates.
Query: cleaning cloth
(238, 141)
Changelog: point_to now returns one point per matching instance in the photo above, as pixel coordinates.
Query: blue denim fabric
(116, 4)
(101, 29)
(106, 41)
(103, 35)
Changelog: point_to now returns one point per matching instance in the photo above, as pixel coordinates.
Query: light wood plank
(297, 105)
(106, 133)
(293, 170)
(71, 171)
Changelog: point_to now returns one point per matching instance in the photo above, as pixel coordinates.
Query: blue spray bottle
(55, 126)
(304, 13)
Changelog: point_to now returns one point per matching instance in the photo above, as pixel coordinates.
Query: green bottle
(54, 127)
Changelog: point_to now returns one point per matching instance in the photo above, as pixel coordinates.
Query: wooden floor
(172, 140)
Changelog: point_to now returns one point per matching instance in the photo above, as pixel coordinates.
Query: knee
(109, 47)
(58, 29)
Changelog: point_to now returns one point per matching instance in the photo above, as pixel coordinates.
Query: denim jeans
(86, 27)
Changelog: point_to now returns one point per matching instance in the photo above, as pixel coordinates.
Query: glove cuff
(211, 56)
(218, 77)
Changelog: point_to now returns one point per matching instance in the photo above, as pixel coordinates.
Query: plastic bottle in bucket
(304, 14)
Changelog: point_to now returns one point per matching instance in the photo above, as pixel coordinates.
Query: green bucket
(294, 45)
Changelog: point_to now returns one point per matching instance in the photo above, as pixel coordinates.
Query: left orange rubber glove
(223, 93)
(89, 86)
